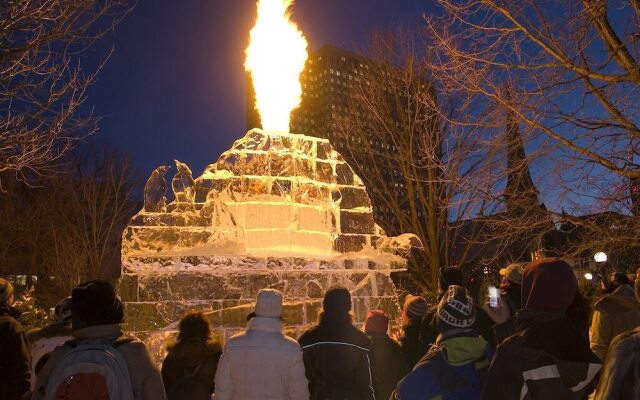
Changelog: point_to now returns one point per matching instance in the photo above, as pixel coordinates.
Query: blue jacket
(452, 369)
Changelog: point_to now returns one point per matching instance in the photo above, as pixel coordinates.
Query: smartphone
(493, 296)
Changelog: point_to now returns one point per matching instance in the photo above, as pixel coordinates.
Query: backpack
(91, 369)
(189, 387)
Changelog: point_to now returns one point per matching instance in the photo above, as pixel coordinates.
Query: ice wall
(276, 210)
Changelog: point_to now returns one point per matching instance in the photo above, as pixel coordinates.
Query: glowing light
(600, 257)
(588, 276)
(276, 56)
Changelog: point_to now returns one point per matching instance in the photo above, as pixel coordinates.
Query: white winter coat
(261, 363)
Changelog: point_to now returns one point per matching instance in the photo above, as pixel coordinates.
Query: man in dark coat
(453, 276)
(337, 356)
(14, 351)
(549, 357)
(390, 365)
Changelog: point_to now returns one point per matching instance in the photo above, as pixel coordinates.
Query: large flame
(275, 57)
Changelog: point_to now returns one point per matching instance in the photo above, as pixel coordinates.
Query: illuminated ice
(276, 210)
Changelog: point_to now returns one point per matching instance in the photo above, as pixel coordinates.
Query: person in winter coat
(429, 332)
(414, 309)
(455, 367)
(193, 358)
(337, 356)
(614, 313)
(511, 286)
(44, 340)
(96, 314)
(390, 365)
(620, 377)
(261, 362)
(549, 357)
(14, 352)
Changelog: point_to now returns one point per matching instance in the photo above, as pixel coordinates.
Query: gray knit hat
(6, 290)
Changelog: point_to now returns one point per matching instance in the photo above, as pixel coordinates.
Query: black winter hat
(450, 276)
(95, 303)
(337, 299)
(456, 313)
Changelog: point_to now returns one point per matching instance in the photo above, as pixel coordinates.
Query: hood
(462, 350)
(194, 349)
(624, 296)
(265, 324)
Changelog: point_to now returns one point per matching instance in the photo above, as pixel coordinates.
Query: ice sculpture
(155, 191)
(276, 210)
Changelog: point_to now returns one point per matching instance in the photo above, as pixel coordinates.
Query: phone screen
(493, 296)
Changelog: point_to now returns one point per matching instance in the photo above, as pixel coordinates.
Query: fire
(275, 57)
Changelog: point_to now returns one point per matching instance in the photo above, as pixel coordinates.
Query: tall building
(327, 79)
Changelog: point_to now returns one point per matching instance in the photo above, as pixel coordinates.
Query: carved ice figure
(400, 245)
(184, 187)
(155, 191)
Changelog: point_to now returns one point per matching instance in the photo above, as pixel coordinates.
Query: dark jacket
(453, 369)
(613, 314)
(549, 358)
(620, 378)
(429, 332)
(390, 365)
(184, 357)
(338, 360)
(410, 343)
(14, 355)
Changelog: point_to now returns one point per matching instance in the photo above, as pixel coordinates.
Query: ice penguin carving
(184, 187)
(155, 191)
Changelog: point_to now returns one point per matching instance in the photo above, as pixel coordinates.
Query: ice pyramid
(276, 210)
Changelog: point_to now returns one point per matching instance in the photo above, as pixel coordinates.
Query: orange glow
(275, 57)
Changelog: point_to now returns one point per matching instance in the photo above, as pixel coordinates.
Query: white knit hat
(269, 303)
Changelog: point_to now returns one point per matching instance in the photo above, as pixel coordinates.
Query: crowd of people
(541, 340)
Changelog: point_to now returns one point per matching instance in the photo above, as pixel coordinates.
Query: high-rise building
(327, 82)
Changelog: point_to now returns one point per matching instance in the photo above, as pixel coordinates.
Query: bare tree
(44, 79)
(425, 174)
(68, 227)
(568, 74)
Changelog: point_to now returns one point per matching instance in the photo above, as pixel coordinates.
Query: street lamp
(588, 276)
(600, 257)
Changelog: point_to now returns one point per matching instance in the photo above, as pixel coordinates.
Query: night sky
(174, 87)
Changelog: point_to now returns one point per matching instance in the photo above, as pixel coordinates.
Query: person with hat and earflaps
(261, 362)
(337, 356)
(455, 367)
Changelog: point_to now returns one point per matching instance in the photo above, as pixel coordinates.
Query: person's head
(6, 292)
(268, 304)
(512, 273)
(616, 280)
(450, 276)
(638, 273)
(456, 314)
(62, 312)
(95, 303)
(194, 326)
(377, 322)
(414, 309)
(548, 284)
(337, 301)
